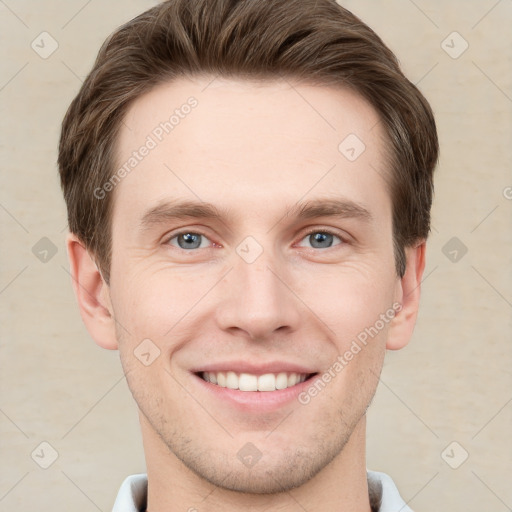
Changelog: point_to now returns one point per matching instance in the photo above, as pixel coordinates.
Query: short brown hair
(313, 41)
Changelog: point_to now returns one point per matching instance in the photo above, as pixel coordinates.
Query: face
(251, 249)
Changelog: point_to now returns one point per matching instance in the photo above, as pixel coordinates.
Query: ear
(92, 293)
(408, 295)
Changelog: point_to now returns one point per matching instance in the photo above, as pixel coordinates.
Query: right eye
(188, 240)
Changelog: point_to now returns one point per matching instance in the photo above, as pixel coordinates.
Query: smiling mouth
(251, 382)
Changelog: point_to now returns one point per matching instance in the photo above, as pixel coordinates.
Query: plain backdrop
(441, 421)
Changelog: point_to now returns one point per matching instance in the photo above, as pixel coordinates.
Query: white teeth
(250, 382)
(231, 380)
(281, 381)
(267, 382)
(221, 379)
(247, 382)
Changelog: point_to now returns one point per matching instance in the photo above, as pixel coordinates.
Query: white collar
(132, 495)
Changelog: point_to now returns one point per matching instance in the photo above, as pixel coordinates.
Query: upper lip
(254, 368)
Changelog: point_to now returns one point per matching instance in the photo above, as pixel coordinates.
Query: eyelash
(310, 232)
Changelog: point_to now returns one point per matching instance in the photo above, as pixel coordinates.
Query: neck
(340, 486)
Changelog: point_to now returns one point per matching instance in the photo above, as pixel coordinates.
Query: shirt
(384, 496)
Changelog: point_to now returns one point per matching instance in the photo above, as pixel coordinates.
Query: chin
(265, 477)
(279, 469)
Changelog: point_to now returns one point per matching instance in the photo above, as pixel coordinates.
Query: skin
(255, 150)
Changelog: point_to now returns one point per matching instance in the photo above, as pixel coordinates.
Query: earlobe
(92, 294)
(408, 295)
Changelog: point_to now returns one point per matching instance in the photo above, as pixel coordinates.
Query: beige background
(452, 383)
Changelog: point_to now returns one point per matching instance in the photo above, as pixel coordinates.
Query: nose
(258, 299)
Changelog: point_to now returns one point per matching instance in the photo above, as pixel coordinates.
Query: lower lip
(255, 401)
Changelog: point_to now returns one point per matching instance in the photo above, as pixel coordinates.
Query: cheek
(158, 301)
(347, 299)
(357, 307)
(151, 302)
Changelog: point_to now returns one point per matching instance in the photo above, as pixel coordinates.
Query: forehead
(242, 143)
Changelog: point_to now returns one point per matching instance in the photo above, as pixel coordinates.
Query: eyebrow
(342, 208)
(183, 209)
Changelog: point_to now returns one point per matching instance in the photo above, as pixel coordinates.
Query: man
(249, 187)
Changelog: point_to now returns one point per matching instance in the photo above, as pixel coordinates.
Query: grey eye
(189, 240)
(321, 239)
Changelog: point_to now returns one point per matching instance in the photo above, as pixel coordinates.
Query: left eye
(321, 239)
(189, 240)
